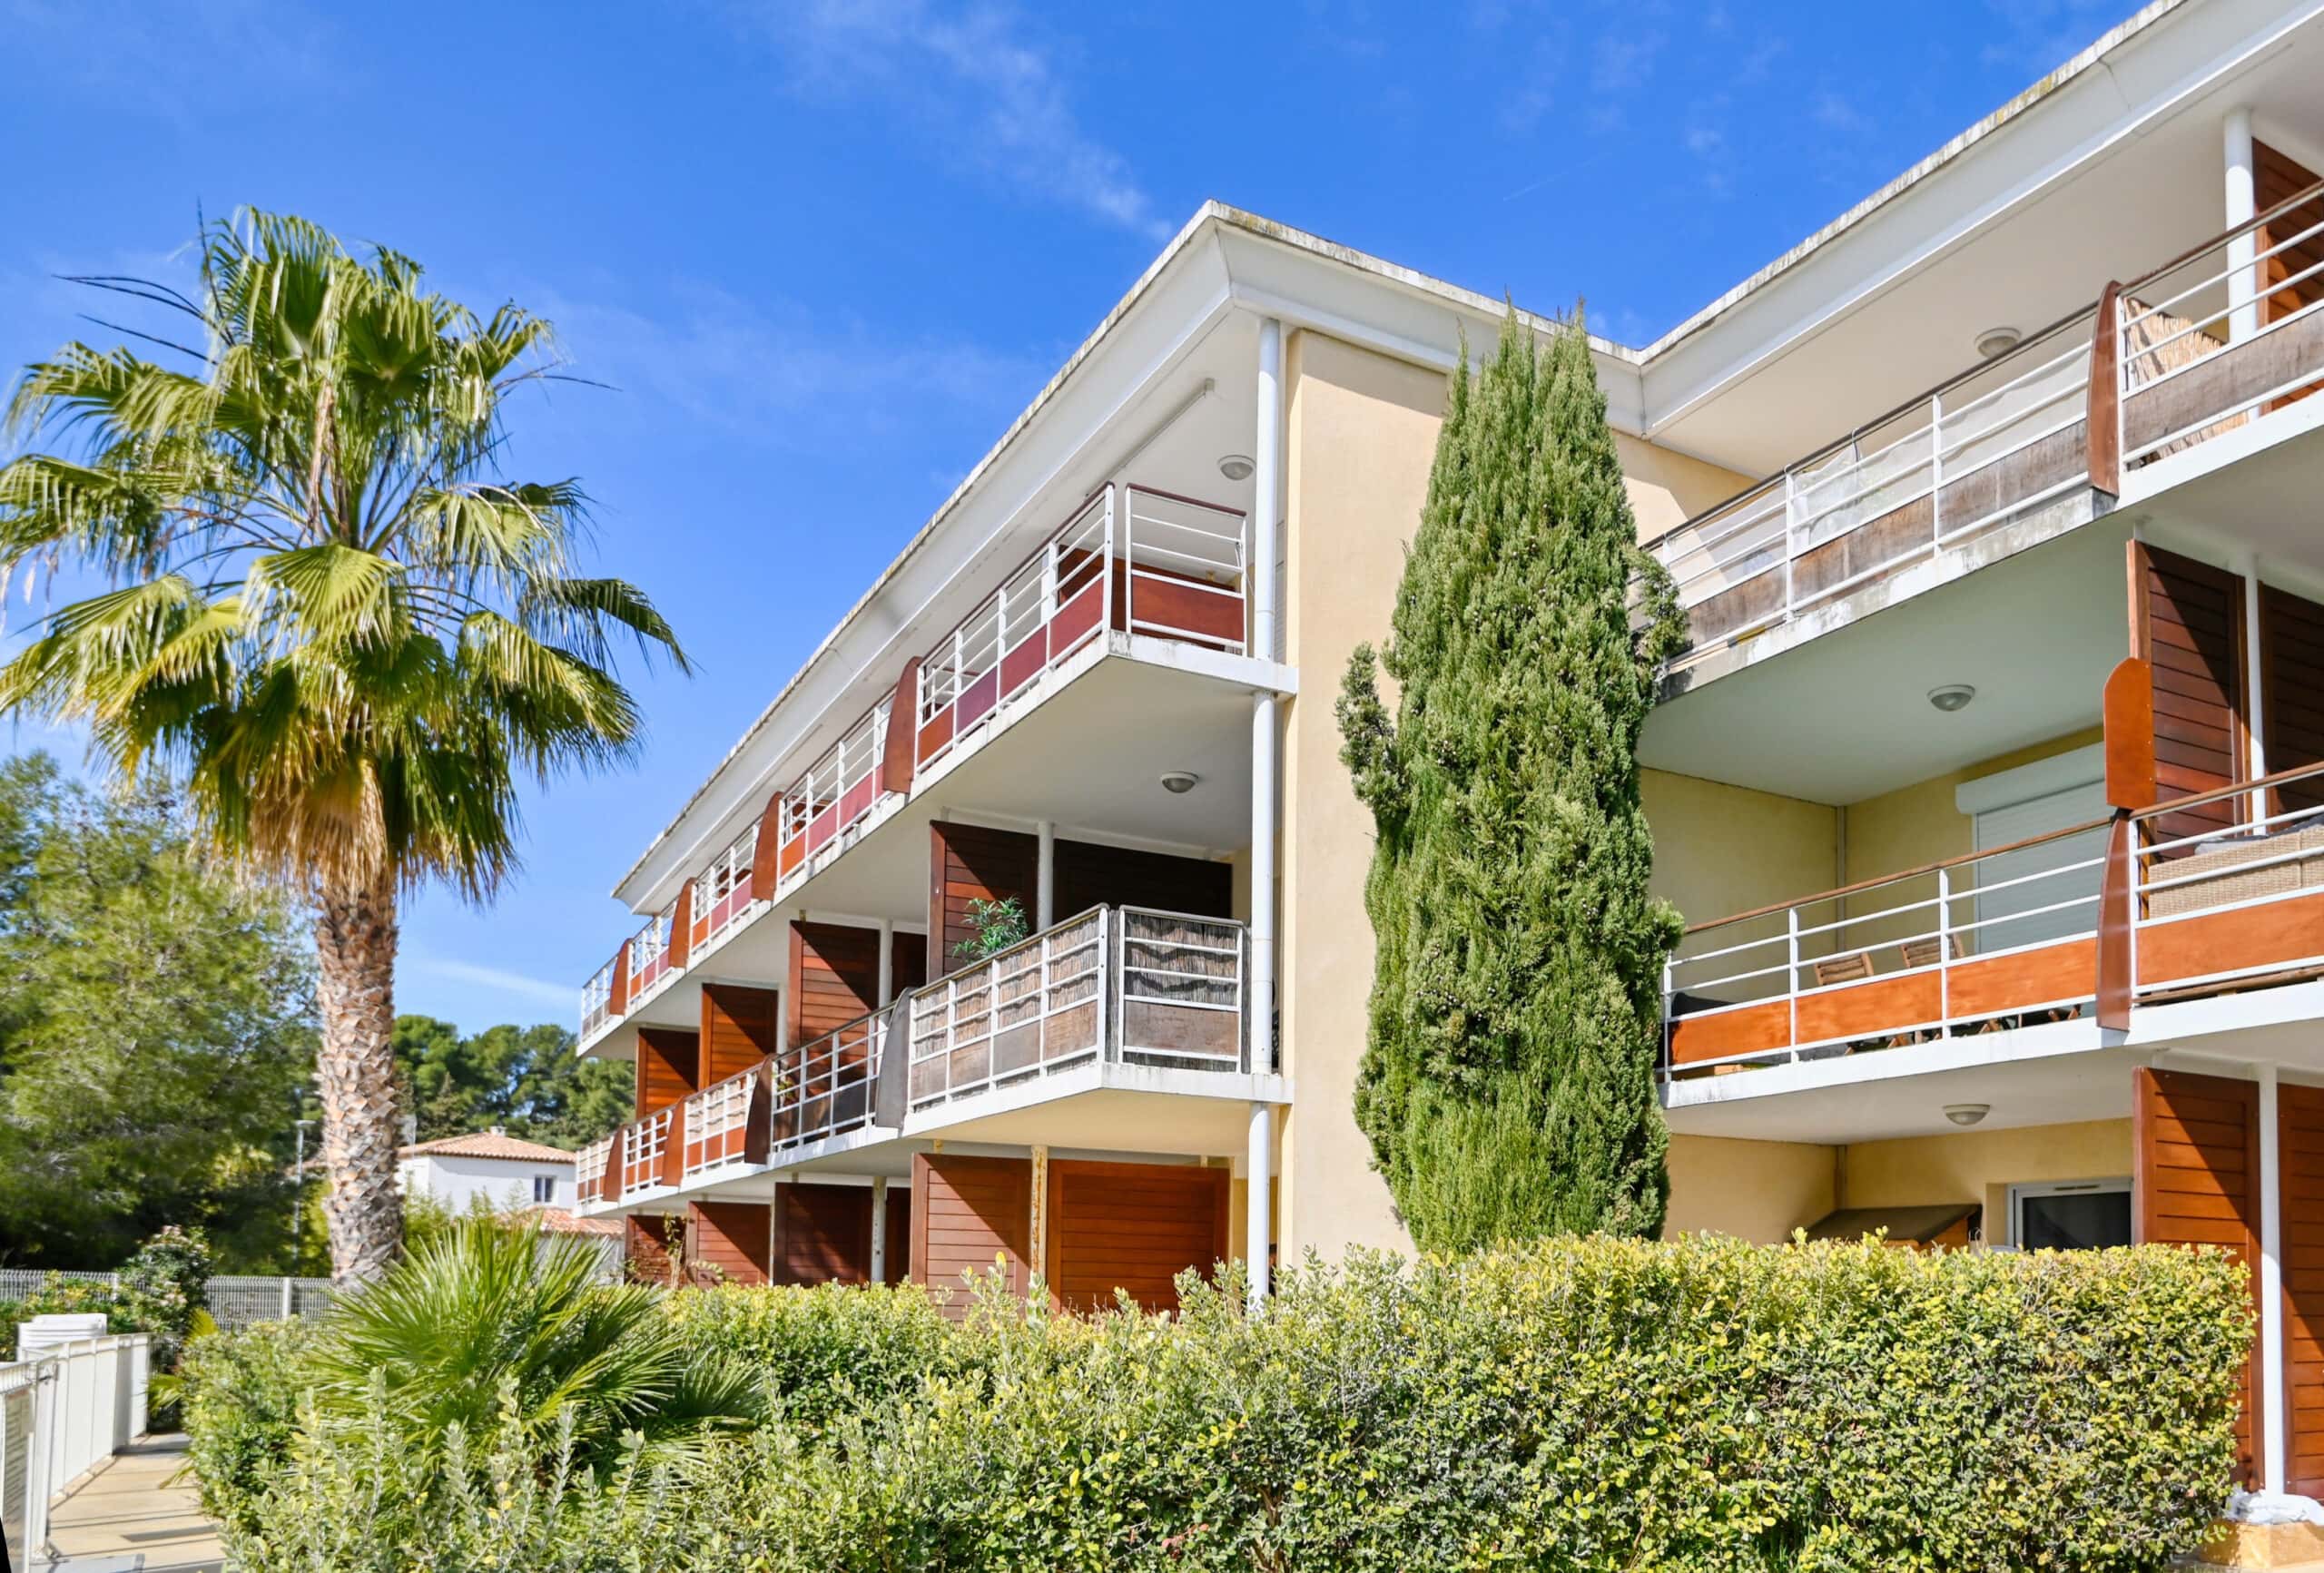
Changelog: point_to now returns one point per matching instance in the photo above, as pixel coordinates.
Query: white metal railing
(1126, 984)
(717, 1122)
(643, 1143)
(1912, 955)
(62, 1413)
(592, 1171)
(1923, 477)
(722, 893)
(836, 794)
(829, 1085)
(2195, 874)
(648, 953)
(598, 997)
(1132, 558)
(2221, 297)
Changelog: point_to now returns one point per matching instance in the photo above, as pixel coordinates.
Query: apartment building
(1992, 784)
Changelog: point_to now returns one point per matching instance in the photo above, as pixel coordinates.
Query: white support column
(1258, 1208)
(1260, 997)
(879, 1228)
(2242, 291)
(2255, 717)
(783, 1006)
(1266, 485)
(2272, 1427)
(887, 995)
(1045, 877)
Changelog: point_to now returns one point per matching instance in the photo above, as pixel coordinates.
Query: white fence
(234, 1301)
(60, 1416)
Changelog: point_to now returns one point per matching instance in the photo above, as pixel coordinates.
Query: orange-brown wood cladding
(1744, 1031)
(910, 967)
(1089, 875)
(835, 977)
(973, 863)
(738, 1029)
(2195, 1181)
(646, 1248)
(2300, 1135)
(766, 852)
(1863, 1009)
(896, 761)
(2187, 624)
(2292, 280)
(966, 1212)
(728, 1240)
(970, 862)
(822, 1234)
(668, 1066)
(1131, 1226)
(2291, 681)
(2288, 931)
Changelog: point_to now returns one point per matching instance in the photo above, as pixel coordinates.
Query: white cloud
(773, 371)
(978, 83)
(539, 990)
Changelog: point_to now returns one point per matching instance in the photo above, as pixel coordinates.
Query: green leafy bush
(238, 1398)
(165, 1287)
(1573, 1404)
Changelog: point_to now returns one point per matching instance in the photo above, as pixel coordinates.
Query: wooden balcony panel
(2271, 934)
(1722, 1035)
(1987, 986)
(1876, 1007)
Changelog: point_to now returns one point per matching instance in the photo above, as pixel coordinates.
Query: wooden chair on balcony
(1854, 966)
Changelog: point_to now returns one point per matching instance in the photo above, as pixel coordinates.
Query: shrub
(824, 1349)
(1572, 1404)
(488, 1316)
(165, 1287)
(238, 1398)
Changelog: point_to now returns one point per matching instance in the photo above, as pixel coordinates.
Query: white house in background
(507, 1172)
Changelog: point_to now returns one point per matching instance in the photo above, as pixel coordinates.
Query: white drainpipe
(1266, 485)
(2272, 1428)
(2243, 319)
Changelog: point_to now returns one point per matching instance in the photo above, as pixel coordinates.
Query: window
(2070, 1214)
(544, 1189)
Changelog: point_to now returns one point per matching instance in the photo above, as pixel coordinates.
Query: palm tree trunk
(355, 940)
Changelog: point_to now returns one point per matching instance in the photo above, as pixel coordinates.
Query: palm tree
(325, 613)
(491, 1322)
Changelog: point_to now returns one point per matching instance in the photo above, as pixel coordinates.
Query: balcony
(1132, 564)
(2053, 430)
(2202, 895)
(1119, 998)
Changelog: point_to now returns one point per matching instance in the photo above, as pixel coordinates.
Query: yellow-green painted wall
(1980, 1166)
(1755, 1191)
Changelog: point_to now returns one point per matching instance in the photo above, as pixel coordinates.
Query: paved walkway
(136, 1512)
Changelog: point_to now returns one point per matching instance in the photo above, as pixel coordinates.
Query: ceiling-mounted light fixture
(1998, 342)
(1236, 466)
(1180, 782)
(1966, 1114)
(1949, 697)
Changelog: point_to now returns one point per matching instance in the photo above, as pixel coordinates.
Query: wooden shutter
(967, 863)
(822, 1234)
(2187, 625)
(2299, 1151)
(835, 977)
(729, 1240)
(669, 1066)
(2291, 684)
(737, 1029)
(1133, 1226)
(2196, 1151)
(965, 1211)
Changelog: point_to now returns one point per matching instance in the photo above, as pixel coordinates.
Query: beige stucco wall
(1720, 849)
(1669, 488)
(1980, 1166)
(1919, 824)
(1360, 433)
(1755, 1191)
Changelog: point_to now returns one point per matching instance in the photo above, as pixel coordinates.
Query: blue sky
(825, 251)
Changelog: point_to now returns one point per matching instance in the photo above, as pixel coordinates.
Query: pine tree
(1508, 1084)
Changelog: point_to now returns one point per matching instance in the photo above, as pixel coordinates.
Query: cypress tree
(1508, 1082)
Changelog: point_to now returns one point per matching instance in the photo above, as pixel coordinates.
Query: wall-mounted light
(1949, 697)
(1966, 1114)
(1998, 342)
(1236, 466)
(1180, 782)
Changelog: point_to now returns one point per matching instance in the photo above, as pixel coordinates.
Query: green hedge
(1579, 1405)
